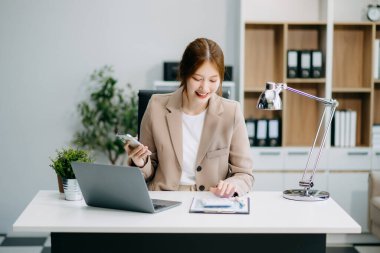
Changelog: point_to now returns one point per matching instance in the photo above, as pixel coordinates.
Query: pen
(240, 201)
(214, 210)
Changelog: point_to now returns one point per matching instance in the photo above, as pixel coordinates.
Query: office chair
(145, 95)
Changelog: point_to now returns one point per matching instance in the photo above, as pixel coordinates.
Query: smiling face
(201, 73)
(202, 64)
(203, 83)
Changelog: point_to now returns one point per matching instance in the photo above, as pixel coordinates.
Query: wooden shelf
(306, 80)
(306, 36)
(263, 54)
(358, 24)
(352, 90)
(311, 23)
(352, 59)
(255, 89)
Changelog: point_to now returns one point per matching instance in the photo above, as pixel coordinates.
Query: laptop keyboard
(157, 206)
(160, 203)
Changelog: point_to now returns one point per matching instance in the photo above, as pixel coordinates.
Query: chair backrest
(145, 95)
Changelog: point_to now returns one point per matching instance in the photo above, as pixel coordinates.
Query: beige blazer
(223, 154)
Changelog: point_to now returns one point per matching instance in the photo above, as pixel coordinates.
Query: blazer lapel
(174, 121)
(213, 116)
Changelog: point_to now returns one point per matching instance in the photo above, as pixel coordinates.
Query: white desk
(273, 224)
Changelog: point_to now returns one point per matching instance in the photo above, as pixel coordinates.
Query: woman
(195, 139)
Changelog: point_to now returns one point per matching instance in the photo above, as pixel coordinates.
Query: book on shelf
(292, 64)
(376, 59)
(305, 64)
(352, 122)
(343, 129)
(262, 133)
(251, 130)
(335, 129)
(376, 136)
(316, 64)
(274, 132)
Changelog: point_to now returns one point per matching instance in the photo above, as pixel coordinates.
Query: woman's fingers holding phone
(141, 151)
(134, 150)
(139, 154)
(127, 148)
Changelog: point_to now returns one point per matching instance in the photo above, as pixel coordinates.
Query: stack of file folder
(344, 128)
(264, 132)
(305, 64)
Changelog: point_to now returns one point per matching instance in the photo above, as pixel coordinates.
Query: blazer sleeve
(146, 138)
(240, 161)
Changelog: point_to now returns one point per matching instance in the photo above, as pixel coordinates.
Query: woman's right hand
(139, 154)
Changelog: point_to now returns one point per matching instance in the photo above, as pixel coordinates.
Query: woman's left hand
(223, 189)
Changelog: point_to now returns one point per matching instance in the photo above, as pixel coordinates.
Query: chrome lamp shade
(270, 100)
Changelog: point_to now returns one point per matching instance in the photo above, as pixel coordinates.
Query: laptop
(117, 187)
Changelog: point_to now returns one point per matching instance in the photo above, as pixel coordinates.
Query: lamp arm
(310, 183)
(328, 103)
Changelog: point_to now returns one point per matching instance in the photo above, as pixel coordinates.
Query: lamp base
(305, 195)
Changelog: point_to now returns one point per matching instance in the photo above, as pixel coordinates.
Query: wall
(301, 10)
(275, 10)
(48, 48)
(351, 10)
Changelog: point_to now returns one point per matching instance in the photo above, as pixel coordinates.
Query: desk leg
(187, 243)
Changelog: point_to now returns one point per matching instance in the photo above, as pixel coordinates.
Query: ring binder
(292, 64)
(316, 61)
(305, 64)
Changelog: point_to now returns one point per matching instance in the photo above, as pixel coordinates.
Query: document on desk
(235, 205)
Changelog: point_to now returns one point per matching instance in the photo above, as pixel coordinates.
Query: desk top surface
(270, 213)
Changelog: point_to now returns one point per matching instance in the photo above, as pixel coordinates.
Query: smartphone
(127, 137)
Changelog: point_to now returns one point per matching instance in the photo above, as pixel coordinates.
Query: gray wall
(48, 48)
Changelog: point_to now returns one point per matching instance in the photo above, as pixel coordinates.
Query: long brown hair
(196, 53)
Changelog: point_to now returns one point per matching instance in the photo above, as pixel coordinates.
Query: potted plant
(61, 163)
(109, 110)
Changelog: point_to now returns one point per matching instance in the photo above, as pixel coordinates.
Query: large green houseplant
(109, 110)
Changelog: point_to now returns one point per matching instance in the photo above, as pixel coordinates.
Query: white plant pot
(71, 189)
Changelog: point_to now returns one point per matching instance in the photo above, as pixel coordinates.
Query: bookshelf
(348, 64)
(376, 88)
(265, 55)
(266, 46)
(352, 74)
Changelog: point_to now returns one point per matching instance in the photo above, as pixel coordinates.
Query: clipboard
(239, 206)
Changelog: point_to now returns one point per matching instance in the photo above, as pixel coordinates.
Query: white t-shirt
(192, 126)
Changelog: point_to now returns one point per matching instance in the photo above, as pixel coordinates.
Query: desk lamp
(270, 100)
